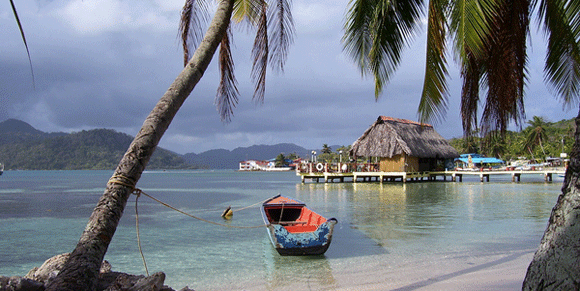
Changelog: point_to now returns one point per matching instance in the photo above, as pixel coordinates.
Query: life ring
(319, 166)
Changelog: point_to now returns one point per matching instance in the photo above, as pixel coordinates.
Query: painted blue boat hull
(302, 244)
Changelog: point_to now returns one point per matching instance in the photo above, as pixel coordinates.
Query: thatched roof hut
(411, 145)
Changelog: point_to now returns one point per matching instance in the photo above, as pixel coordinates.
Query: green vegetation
(328, 156)
(99, 149)
(539, 140)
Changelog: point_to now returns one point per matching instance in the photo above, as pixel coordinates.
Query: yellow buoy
(228, 213)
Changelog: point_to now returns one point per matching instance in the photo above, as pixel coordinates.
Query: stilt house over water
(404, 146)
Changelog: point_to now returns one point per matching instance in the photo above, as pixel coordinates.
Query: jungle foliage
(539, 140)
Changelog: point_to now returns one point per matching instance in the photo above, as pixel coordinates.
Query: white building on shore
(269, 166)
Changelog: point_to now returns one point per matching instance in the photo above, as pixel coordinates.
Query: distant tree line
(539, 140)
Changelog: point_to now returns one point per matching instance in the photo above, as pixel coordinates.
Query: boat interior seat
(300, 228)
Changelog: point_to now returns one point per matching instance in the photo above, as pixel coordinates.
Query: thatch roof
(389, 137)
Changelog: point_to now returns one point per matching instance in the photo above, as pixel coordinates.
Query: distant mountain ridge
(226, 159)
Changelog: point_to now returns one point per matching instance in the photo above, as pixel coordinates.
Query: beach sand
(497, 271)
(505, 271)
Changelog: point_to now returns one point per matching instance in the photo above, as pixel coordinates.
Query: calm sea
(42, 213)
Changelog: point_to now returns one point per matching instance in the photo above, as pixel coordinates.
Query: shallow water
(43, 213)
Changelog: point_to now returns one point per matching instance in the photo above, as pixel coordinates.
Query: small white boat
(1, 168)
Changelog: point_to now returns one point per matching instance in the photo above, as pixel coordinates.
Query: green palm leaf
(376, 31)
(561, 20)
(433, 102)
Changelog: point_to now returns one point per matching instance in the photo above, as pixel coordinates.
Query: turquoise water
(43, 213)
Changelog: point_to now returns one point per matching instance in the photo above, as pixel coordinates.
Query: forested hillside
(24, 148)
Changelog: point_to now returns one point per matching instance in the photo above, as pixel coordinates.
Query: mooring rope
(130, 183)
(138, 235)
(117, 179)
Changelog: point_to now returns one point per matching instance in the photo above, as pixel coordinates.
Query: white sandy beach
(494, 272)
(502, 271)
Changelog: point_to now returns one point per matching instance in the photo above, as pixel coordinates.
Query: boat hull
(302, 244)
(294, 229)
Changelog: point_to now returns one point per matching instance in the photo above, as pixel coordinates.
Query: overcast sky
(105, 64)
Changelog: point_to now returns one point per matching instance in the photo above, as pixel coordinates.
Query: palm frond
(282, 33)
(471, 27)
(23, 39)
(561, 20)
(247, 10)
(471, 73)
(227, 94)
(260, 56)
(433, 104)
(357, 39)
(193, 16)
(376, 31)
(470, 24)
(506, 67)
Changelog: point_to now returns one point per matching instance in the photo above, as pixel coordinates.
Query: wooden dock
(455, 176)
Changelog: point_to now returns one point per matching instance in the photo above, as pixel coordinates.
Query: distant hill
(16, 131)
(22, 147)
(225, 159)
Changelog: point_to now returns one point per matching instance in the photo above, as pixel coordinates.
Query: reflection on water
(284, 271)
(413, 216)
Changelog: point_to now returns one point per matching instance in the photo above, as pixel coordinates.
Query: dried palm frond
(193, 16)
(282, 32)
(227, 94)
(260, 53)
(506, 67)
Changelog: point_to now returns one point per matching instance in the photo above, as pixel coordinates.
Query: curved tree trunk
(81, 271)
(556, 264)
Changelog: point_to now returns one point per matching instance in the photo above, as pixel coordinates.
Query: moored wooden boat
(294, 229)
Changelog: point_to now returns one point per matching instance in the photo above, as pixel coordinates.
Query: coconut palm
(326, 149)
(489, 40)
(81, 271)
(537, 134)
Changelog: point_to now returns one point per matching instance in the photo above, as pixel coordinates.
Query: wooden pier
(326, 174)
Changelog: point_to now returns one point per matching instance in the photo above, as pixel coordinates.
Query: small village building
(253, 165)
(401, 145)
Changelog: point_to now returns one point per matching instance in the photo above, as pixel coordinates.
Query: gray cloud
(106, 65)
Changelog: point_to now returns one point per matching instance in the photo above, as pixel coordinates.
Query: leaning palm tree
(80, 272)
(489, 40)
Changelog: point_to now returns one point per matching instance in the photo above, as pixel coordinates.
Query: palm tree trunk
(556, 263)
(80, 272)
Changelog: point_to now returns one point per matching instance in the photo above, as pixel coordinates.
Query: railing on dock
(368, 172)
(313, 168)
